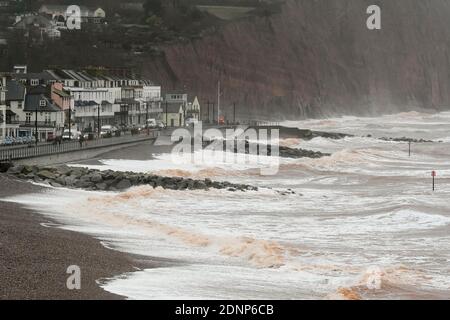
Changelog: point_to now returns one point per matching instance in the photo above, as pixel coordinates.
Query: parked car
(28, 140)
(72, 135)
(20, 140)
(191, 122)
(88, 136)
(8, 141)
(108, 131)
(161, 125)
(110, 128)
(123, 127)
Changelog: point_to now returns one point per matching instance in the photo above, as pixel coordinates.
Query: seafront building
(8, 125)
(51, 100)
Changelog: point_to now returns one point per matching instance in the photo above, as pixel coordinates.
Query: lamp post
(218, 102)
(70, 121)
(184, 113)
(4, 121)
(146, 117)
(167, 116)
(2, 100)
(98, 121)
(36, 135)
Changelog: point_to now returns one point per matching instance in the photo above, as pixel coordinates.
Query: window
(34, 82)
(28, 117)
(42, 103)
(47, 118)
(19, 105)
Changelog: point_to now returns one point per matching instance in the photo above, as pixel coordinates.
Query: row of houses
(22, 111)
(53, 100)
(51, 19)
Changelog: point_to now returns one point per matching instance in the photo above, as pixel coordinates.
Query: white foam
(190, 163)
(369, 204)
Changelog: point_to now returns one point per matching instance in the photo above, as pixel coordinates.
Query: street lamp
(4, 120)
(98, 121)
(70, 121)
(2, 100)
(146, 116)
(36, 135)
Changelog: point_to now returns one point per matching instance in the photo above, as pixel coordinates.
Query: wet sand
(34, 257)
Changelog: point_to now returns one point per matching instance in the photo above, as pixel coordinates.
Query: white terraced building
(129, 106)
(96, 97)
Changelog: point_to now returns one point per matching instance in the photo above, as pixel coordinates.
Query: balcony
(9, 122)
(40, 124)
(93, 112)
(144, 111)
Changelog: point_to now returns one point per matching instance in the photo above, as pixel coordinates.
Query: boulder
(54, 184)
(29, 169)
(29, 176)
(123, 184)
(200, 185)
(70, 181)
(4, 166)
(84, 184)
(134, 179)
(61, 180)
(109, 182)
(182, 186)
(108, 175)
(45, 174)
(64, 170)
(96, 178)
(101, 186)
(16, 169)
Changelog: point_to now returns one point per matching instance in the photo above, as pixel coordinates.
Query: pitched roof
(16, 91)
(34, 75)
(33, 20)
(32, 103)
(61, 93)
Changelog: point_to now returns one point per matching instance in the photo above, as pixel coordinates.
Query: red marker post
(433, 174)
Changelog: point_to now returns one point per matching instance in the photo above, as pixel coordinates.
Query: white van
(151, 123)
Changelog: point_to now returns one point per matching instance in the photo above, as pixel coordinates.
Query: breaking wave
(396, 281)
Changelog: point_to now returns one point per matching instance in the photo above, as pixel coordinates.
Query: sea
(362, 223)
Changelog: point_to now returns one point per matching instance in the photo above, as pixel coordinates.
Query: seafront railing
(32, 151)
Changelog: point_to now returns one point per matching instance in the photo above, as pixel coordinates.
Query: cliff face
(317, 58)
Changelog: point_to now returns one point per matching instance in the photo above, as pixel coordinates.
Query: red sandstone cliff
(317, 58)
